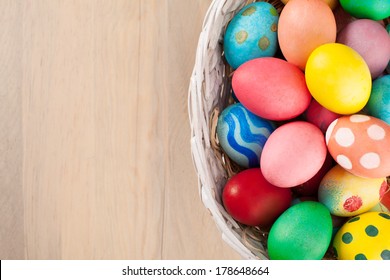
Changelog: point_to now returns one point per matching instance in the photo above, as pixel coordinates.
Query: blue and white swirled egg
(242, 135)
(252, 33)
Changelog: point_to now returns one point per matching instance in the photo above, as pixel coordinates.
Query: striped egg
(242, 135)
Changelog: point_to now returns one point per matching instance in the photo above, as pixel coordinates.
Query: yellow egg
(364, 237)
(338, 78)
(331, 3)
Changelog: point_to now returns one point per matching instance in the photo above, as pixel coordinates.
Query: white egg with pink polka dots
(361, 145)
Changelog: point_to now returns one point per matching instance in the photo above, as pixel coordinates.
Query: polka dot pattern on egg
(360, 144)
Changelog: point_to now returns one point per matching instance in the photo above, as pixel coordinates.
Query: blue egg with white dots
(242, 135)
(252, 33)
(379, 103)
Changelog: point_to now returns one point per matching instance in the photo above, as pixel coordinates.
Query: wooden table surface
(95, 157)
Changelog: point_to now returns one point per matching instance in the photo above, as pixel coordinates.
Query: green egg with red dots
(347, 195)
(364, 237)
(252, 33)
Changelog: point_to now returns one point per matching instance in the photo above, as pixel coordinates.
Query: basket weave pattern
(209, 94)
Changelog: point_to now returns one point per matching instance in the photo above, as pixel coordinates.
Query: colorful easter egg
(364, 237)
(372, 9)
(303, 26)
(346, 195)
(338, 78)
(253, 201)
(293, 154)
(360, 144)
(271, 88)
(379, 103)
(251, 34)
(371, 40)
(242, 135)
(302, 232)
(319, 115)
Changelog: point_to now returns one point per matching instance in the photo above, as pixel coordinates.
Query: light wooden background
(94, 136)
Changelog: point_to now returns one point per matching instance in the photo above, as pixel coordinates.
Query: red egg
(253, 201)
(271, 88)
(293, 154)
(319, 115)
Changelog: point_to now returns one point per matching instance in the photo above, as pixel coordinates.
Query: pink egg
(361, 145)
(271, 88)
(293, 154)
(319, 115)
(371, 40)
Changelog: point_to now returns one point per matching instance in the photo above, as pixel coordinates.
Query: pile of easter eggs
(310, 126)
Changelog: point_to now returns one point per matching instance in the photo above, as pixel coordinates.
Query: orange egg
(331, 3)
(303, 26)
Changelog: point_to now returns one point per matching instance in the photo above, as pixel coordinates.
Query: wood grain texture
(95, 156)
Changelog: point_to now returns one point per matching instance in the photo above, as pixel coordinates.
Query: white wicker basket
(209, 92)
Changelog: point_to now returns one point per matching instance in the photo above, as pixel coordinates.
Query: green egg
(371, 9)
(302, 232)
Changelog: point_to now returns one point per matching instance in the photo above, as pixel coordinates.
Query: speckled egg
(252, 33)
(372, 9)
(347, 195)
(242, 135)
(364, 237)
(302, 232)
(379, 103)
(371, 40)
(360, 144)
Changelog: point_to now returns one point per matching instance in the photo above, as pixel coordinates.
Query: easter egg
(346, 195)
(253, 201)
(379, 103)
(242, 135)
(302, 232)
(319, 115)
(371, 40)
(271, 88)
(331, 3)
(372, 9)
(251, 34)
(360, 144)
(338, 78)
(342, 18)
(364, 237)
(311, 186)
(293, 154)
(303, 26)
(388, 65)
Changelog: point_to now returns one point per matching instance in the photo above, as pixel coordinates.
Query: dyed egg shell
(379, 103)
(379, 208)
(372, 9)
(360, 144)
(331, 3)
(242, 135)
(342, 18)
(271, 88)
(371, 40)
(338, 78)
(388, 65)
(302, 232)
(251, 34)
(364, 237)
(251, 200)
(303, 26)
(311, 186)
(293, 154)
(346, 195)
(319, 115)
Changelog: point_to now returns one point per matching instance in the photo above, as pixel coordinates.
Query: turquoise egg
(379, 103)
(242, 135)
(252, 33)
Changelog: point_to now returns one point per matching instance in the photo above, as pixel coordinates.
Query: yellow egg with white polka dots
(364, 237)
